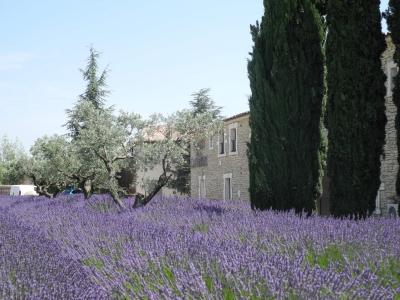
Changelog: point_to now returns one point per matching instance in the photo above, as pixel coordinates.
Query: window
(221, 143)
(228, 187)
(211, 142)
(233, 138)
(202, 187)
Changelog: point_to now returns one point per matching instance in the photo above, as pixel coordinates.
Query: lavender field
(190, 249)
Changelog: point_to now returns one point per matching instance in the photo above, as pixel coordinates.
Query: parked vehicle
(23, 190)
(71, 191)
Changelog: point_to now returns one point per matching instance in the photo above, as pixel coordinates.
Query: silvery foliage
(116, 139)
(110, 139)
(57, 162)
(173, 133)
(107, 142)
(51, 164)
(12, 158)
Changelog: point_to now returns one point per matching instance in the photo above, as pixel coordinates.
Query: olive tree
(118, 140)
(50, 165)
(113, 140)
(12, 159)
(56, 162)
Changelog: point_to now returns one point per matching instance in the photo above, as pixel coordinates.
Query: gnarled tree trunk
(42, 191)
(113, 188)
(86, 186)
(141, 200)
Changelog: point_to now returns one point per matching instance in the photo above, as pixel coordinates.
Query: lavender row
(31, 267)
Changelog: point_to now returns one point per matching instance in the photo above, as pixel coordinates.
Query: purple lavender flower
(187, 248)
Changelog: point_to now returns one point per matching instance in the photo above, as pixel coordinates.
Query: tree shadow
(210, 209)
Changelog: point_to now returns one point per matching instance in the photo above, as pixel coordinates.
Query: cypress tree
(286, 72)
(393, 20)
(355, 106)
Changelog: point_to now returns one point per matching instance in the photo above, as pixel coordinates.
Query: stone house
(219, 169)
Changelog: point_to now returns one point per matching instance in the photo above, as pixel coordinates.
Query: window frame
(219, 143)
(211, 143)
(227, 176)
(202, 183)
(233, 126)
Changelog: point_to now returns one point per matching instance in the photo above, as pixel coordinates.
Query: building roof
(158, 133)
(241, 115)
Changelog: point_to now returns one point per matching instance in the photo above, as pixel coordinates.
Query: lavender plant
(190, 249)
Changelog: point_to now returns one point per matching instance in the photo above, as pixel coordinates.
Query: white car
(23, 190)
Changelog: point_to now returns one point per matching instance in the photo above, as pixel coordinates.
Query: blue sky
(158, 52)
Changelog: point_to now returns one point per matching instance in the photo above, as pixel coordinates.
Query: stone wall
(143, 179)
(390, 165)
(235, 164)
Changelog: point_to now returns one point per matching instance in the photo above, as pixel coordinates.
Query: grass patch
(154, 276)
(13, 277)
(228, 294)
(389, 273)
(169, 274)
(332, 254)
(201, 227)
(94, 262)
(209, 283)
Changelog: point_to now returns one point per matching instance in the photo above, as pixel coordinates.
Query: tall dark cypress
(355, 106)
(286, 78)
(393, 20)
